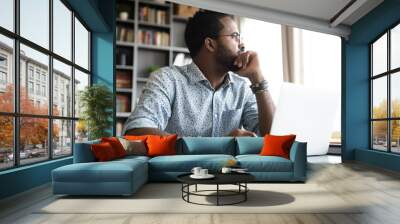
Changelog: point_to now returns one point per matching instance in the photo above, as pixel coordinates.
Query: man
(205, 98)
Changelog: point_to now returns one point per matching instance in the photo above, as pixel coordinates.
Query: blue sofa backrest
(249, 145)
(206, 145)
(83, 153)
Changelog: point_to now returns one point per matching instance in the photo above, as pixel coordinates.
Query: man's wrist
(259, 87)
(256, 78)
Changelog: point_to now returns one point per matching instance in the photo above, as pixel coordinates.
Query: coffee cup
(203, 172)
(196, 170)
(226, 170)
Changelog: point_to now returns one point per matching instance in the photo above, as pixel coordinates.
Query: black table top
(220, 178)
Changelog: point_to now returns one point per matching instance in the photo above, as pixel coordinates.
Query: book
(123, 79)
(153, 15)
(152, 37)
(123, 103)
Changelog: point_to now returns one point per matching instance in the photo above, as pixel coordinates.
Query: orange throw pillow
(277, 145)
(136, 137)
(103, 152)
(116, 145)
(161, 145)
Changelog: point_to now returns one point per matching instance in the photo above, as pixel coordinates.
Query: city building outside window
(55, 129)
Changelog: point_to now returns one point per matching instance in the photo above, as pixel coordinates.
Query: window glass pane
(34, 72)
(379, 55)
(379, 98)
(81, 81)
(62, 138)
(395, 94)
(62, 89)
(33, 139)
(35, 21)
(81, 131)
(317, 64)
(62, 29)
(379, 135)
(6, 142)
(395, 136)
(7, 14)
(395, 47)
(81, 45)
(6, 74)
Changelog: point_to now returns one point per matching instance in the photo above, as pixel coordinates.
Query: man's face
(227, 44)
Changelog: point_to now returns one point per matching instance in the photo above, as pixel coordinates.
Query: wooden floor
(378, 188)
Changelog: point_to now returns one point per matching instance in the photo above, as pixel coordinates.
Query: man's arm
(249, 67)
(266, 110)
(153, 110)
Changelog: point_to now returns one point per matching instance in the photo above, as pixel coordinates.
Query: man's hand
(249, 66)
(241, 132)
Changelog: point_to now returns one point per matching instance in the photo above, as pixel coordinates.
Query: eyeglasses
(234, 35)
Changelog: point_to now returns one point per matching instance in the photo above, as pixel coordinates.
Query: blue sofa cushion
(207, 145)
(184, 163)
(257, 163)
(111, 171)
(249, 145)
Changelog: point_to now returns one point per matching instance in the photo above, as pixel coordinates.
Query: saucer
(208, 176)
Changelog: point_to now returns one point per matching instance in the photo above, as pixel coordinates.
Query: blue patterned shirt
(180, 99)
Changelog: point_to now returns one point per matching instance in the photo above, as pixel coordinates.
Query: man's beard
(226, 59)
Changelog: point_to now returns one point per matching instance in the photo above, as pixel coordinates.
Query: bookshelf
(149, 35)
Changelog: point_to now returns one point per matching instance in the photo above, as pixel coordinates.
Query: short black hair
(203, 24)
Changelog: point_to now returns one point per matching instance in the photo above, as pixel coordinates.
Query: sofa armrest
(298, 155)
(83, 152)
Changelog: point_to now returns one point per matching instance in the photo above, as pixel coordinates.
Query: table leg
(196, 188)
(217, 194)
(245, 191)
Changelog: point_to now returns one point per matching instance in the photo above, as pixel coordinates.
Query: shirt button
(216, 115)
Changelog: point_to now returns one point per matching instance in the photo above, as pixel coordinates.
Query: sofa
(126, 175)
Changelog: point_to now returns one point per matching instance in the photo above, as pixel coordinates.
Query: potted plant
(96, 103)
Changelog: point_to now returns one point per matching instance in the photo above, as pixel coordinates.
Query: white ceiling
(321, 9)
(313, 15)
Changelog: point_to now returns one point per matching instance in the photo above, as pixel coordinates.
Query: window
(303, 57)
(44, 91)
(3, 78)
(37, 75)
(62, 29)
(30, 87)
(3, 61)
(385, 95)
(30, 72)
(81, 45)
(54, 126)
(38, 89)
(317, 64)
(62, 74)
(7, 14)
(35, 22)
(3, 72)
(81, 81)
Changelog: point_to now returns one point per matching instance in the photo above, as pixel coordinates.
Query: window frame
(16, 114)
(388, 74)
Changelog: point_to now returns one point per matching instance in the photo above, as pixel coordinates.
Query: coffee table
(238, 179)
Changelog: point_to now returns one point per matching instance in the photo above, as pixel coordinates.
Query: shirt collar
(195, 75)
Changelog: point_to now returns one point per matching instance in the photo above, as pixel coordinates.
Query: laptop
(309, 113)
